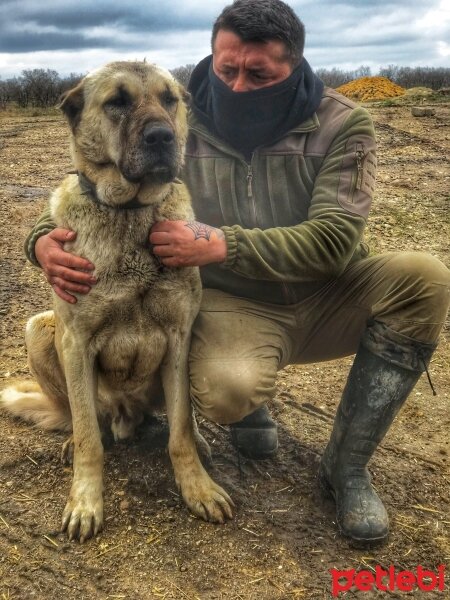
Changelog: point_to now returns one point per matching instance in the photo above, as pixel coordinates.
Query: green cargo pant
(238, 345)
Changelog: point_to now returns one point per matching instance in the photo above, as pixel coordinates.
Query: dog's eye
(168, 99)
(120, 100)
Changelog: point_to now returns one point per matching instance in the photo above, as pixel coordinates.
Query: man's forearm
(315, 250)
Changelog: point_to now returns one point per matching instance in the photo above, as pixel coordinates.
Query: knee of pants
(422, 294)
(226, 391)
(422, 268)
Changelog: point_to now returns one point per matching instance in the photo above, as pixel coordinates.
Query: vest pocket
(357, 176)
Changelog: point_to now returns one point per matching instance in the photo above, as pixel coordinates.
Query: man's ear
(71, 103)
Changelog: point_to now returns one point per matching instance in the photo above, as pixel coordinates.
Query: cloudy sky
(77, 36)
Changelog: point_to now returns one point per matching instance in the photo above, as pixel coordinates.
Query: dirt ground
(283, 539)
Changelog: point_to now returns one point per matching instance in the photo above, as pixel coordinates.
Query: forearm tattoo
(201, 230)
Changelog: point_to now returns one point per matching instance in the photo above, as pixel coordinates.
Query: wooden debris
(49, 539)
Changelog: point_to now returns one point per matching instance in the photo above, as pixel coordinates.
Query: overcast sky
(78, 36)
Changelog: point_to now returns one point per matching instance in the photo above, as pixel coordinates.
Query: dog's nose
(158, 135)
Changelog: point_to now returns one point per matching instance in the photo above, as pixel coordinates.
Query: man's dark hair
(263, 21)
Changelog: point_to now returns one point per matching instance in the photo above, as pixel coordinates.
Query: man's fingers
(68, 275)
(172, 261)
(69, 286)
(162, 226)
(75, 262)
(163, 250)
(161, 237)
(62, 235)
(63, 294)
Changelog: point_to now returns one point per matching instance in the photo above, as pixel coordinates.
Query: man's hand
(64, 271)
(187, 243)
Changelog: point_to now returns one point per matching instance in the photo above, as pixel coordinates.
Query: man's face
(247, 66)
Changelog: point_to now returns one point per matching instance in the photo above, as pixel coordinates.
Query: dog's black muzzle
(158, 138)
(155, 158)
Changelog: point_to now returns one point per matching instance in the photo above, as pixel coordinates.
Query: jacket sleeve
(321, 247)
(44, 225)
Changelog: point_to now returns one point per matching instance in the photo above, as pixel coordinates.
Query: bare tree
(363, 71)
(183, 74)
(334, 77)
(408, 77)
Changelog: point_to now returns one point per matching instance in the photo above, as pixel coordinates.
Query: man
(281, 174)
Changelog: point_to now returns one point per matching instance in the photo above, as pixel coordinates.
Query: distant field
(283, 539)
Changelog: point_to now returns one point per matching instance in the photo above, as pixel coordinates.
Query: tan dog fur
(103, 357)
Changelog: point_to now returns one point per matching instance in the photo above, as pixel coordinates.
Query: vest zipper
(250, 196)
(249, 181)
(359, 164)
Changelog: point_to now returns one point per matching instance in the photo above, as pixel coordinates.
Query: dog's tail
(27, 400)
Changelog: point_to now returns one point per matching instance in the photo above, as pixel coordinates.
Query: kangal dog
(102, 358)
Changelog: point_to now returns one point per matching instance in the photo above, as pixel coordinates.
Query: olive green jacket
(294, 217)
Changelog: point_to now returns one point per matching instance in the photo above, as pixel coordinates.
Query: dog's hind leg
(202, 444)
(44, 403)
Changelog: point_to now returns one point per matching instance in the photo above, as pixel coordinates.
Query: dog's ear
(71, 103)
(185, 94)
(187, 97)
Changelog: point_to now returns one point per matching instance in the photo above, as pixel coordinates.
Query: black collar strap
(88, 188)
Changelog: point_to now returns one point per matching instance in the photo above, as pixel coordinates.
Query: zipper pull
(359, 160)
(249, 181)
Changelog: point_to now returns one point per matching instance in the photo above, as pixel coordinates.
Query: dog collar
(88, 188)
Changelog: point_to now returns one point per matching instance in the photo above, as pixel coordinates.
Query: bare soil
(283, 539)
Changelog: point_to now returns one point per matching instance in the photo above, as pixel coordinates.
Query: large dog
(103, 357)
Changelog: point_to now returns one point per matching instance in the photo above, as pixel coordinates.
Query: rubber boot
(256, 436)
(384, 372)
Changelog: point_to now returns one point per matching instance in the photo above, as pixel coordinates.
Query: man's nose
(241, 83)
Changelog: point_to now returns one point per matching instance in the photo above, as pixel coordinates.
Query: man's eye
(260, 76)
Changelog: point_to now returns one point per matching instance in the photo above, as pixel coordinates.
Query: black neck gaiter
(247, 120)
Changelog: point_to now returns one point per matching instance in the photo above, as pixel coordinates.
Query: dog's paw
(206, 499)
(83, 516)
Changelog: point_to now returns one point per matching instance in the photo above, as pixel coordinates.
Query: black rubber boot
(384, 372)
(256, 436)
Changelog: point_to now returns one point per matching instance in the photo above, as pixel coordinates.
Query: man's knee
(419, 299)
(225, 391)
(428, 280)
(421, 267)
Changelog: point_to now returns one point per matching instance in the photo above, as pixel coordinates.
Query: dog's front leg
(83, 514)
(203, 496)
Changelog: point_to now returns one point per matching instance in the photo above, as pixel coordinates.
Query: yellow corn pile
(370, 88)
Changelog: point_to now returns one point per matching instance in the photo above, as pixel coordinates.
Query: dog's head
(131, 116)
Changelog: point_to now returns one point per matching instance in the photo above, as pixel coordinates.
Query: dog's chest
(117, 243)
(131, 282)
(136, 266)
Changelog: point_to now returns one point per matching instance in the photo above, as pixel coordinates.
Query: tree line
(407, 77)
(42, 88)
